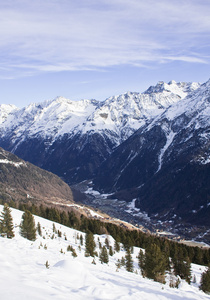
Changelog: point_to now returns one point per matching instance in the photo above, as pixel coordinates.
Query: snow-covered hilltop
(25, 274)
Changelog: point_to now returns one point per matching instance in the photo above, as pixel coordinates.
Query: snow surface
(132, 209)
(24, 274)
(16, 164)
(170, 136)
(5, 110)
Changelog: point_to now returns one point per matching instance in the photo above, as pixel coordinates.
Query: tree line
(125, 236)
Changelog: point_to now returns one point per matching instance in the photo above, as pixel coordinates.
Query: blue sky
(99, 48)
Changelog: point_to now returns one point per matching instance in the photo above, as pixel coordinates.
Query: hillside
(22, 181)
(25, 276)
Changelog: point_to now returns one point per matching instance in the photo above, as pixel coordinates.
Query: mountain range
(152, 147)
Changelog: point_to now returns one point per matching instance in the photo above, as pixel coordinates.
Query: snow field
(24, 274)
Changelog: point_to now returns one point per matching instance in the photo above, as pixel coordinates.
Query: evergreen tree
(141, 262)
(205, 281)
(128, 261)
(54, 215)
(47, 264)
(107, 242)
(122, 261)
(128, 243)
(116, 246)
(39, 230)
(81, 239)
(64, 218)
(54, 229)
(6, 222)
(111, 251)
(166, 253)
(155, 263)
(103, 256)
(89, 244)
(27, 226)
(198, 256)
(182, 266)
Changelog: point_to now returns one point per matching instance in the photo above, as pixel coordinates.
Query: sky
(94, 49)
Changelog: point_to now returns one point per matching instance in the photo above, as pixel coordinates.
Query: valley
(153, 147)
(122, 212)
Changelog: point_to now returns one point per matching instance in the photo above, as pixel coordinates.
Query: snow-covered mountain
(72, 138)
(165, 164)
(5, 111)
(152, 147)
(122, 114)
(24, 274)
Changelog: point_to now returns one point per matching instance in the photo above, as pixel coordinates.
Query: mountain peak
(178, 88)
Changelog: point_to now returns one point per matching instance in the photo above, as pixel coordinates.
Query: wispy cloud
(45, 36)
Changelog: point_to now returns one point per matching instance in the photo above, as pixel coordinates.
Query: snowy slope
(48, 119)
(192, 115)
(6, 110)
(24, 275)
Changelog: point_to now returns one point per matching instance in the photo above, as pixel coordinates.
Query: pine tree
(81, 239)
(107, 242)
(182, 266)
(54, 229)
(39, 230)
(117, 246)
(89, 244)
(27, 226)
(155, 263)
(205, 281)
(122, 261)
(111, 251)
(127, 243)
(47, 264)
(6, 222)
(128, 261)
(103, 256)
(141, 262)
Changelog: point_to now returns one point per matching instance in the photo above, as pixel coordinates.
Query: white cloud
(56, 35)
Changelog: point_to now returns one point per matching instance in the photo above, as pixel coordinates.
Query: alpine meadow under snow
(44, 269)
